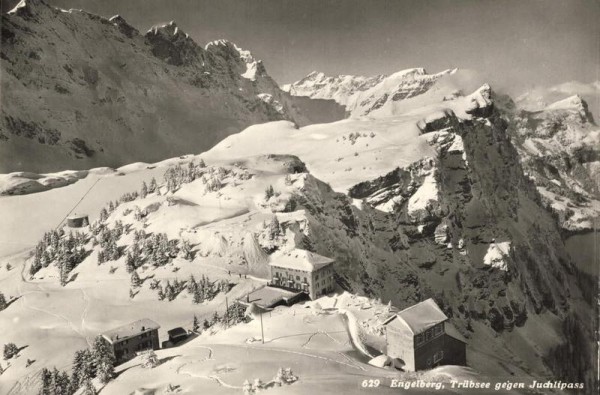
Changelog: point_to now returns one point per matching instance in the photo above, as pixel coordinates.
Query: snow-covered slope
(364, 95)
(80, 90)
(438, 207)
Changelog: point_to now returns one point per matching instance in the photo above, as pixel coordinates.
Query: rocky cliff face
(463, 224)
(559, 149)
(556, 143)
(79, 91)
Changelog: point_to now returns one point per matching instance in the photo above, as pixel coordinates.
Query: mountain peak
(574, 103)
(122, 24)
(229, 50)
(30, 8)
(168, 29)
(172, 44)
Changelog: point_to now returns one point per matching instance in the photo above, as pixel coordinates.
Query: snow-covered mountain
(559, 147)
(364, 95)
(430, 188)
(557, 140)
(431, 203)
(536, 99)
(80, 90)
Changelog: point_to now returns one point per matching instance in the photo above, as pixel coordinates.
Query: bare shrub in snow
(285, 376)
(149, 359)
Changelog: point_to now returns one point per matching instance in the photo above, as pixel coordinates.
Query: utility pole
(262, 332)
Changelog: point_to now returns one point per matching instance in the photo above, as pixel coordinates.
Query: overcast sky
(518, 43)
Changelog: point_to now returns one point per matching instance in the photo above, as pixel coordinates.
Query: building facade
(418, 337)
(128, 340)
(302, 270)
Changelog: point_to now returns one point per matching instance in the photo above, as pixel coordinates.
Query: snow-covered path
(354, 331)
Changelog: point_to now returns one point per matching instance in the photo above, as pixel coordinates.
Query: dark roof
(418, 318)
(130, 330)
(175, 332)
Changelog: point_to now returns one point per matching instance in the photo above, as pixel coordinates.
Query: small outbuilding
(78, 221)
(176, 336)
(420, 338)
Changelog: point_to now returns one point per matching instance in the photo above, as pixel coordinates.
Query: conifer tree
(79, 362)
(88, 387)
(269, 192)
(195, 324)
(63, 384)
(130, 263)
(103, 215)
(274, 229)
(118, 231)
(198, 295)
(104, 360)
(192, 285)
(152, 187)
(169, 292)
(135, 279)
(186, 250)
(3, 303)
(46, 381)
(64, 273)
(144, 190)
(10, 350)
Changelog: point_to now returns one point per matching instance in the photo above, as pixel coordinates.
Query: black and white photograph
(240, 197)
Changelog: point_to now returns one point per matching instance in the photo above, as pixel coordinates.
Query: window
(428, 335)
(419, 339)
(439, 329)
(438, 356)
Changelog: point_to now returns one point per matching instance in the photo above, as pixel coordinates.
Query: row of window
(429, 334)
(290, 270)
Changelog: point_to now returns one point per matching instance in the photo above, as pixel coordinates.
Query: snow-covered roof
(419, 317)
(129, 330)
(77, 216)
(267, 296)
(300, 260)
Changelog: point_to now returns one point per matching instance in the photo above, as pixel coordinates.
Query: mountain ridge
(81, 91)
